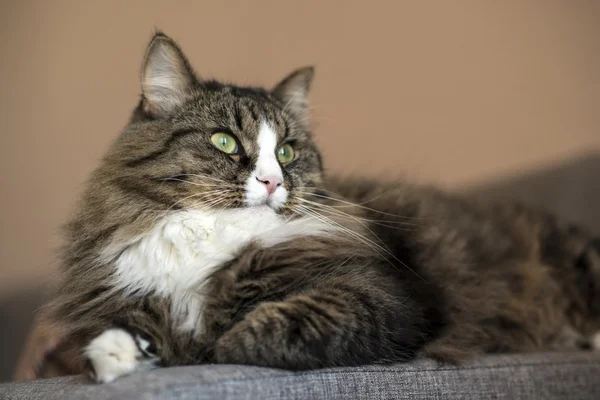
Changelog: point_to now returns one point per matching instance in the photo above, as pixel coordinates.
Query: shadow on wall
(570, 189)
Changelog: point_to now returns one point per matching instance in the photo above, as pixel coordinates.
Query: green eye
(285, 154)
(225, 142)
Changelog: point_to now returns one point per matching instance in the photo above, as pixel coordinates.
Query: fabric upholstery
(525, 376)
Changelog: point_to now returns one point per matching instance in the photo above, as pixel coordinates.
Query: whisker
(210, 192)
(212, 203)
(333, 209)
(350, 204)
(340, 213)
(358, 236)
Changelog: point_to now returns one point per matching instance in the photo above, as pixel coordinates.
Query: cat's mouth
(260, 197)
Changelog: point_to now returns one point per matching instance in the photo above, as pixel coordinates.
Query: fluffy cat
(209, 233)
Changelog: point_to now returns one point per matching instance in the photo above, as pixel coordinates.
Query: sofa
(571, 189)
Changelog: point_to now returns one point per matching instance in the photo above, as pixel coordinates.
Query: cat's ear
(293, 90)
(167, 78)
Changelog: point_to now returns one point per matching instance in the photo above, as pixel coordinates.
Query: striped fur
(342, 272)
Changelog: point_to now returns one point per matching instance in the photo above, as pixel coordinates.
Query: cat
(210, 233)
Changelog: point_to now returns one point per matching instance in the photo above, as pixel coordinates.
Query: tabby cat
(209, 233)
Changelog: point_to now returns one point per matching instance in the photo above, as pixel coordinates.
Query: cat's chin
(263, 208)
(260, 207)
(267, 204)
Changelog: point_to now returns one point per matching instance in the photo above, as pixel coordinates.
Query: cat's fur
(176, 257)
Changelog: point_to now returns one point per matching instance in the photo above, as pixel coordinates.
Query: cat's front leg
(135, 336)
(138, 336)
(117, 352)
(325, 327)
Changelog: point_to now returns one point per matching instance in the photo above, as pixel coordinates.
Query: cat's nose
(271, 182)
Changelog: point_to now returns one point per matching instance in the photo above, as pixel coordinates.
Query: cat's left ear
(167, 78)
(293, 90)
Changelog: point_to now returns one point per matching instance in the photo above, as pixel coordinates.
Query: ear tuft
(293, 90)
(167, 78)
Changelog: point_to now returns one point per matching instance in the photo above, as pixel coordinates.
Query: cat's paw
(234, 346)
(115, 353)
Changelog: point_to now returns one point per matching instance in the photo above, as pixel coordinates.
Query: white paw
(114, 353)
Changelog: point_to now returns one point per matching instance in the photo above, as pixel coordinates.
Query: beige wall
(449, 92)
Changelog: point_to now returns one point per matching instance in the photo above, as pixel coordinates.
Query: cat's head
(201, 144)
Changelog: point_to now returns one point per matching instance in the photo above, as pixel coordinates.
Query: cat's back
(436, 224)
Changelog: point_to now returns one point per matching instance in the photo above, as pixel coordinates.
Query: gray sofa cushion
(534, 376)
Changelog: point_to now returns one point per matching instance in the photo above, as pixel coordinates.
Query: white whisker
(333, 209)
(210, 192)
(350, 204)
(373, 245)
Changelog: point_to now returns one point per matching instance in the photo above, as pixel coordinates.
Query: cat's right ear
(167, 78)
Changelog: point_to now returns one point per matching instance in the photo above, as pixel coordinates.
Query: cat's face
(196, 144)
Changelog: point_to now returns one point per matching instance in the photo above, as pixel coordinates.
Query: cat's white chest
(175, 258)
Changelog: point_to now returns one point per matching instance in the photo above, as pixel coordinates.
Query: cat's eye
(285, 154)
(225, 142)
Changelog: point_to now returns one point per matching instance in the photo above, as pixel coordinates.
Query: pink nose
(271, 182)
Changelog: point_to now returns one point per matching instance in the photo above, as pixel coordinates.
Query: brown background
(447, 92)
